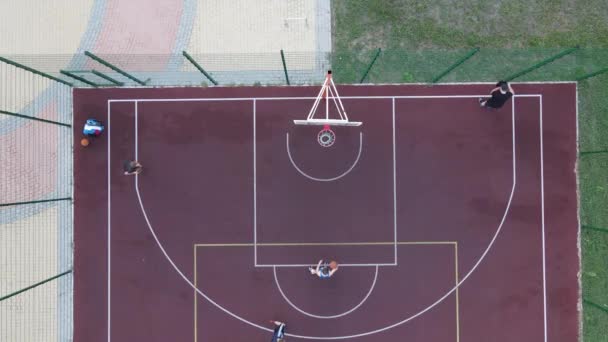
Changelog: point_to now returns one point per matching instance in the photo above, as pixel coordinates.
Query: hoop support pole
(317, 101)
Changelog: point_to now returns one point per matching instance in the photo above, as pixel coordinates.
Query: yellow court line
(454, 243)
(303, 244)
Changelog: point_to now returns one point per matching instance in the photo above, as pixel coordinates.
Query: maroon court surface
(451, 222)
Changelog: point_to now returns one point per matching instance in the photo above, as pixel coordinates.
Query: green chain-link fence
(298, 68)
(36, 152)
(35, 207)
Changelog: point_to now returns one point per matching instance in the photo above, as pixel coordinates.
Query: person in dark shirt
(132, 167)
(278, 334)
(499, 96)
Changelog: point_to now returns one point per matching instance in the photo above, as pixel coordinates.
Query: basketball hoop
(326, 136)
(329, 93)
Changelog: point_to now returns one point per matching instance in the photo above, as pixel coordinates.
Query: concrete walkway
(238, 40)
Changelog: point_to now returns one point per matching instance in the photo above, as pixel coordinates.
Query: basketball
(333, 265)
(84, 142)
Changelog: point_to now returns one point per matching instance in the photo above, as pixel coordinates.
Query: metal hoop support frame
(326, 136)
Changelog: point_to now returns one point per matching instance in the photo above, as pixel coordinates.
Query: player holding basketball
(279, 331)
(324, 271)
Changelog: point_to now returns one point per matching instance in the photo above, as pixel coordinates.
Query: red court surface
(450, 222)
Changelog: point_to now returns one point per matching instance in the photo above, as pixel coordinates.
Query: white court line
(325, 179)
(369, 292)
(437, 85)
(334, 337)
(136, 134)
(109, 227)
(255, 193)
(441, 299)
(229, 99)
(341, 265)
(344, 174)
(160, 246)
(394, 185)
(542, 213)
(529, 95)
(578, 219)
(453, 83)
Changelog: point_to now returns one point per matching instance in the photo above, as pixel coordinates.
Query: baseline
(204, 99)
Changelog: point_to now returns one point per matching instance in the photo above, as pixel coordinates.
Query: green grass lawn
(420, 39)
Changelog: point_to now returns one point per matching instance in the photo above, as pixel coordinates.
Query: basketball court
(450, 222)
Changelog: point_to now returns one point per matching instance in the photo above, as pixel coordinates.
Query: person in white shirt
(324, 271)
(278, 334)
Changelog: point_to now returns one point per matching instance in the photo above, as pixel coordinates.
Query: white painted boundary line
(441, 299)
(229, 99)
(369, 292)
(578, 218)
(395, 262)
(152, 231)
(394, 186)
(455, 83)
(136, 133)
(542, 206)
(434, 85)
(341, 265)
(255, 193)
(181, 274)
(109, 260)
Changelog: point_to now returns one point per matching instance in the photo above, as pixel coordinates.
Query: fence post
(603, 230)
(582, 153)
(542, 63)
(34, 118)
(107, 64)
(200, 68)
(34, 71)
(285, 67)
(456, 65)
(106, 77)
(35, 285)
(593, 74)
(597, 306)
(76, 77)
(38, 201)
(369, 67)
